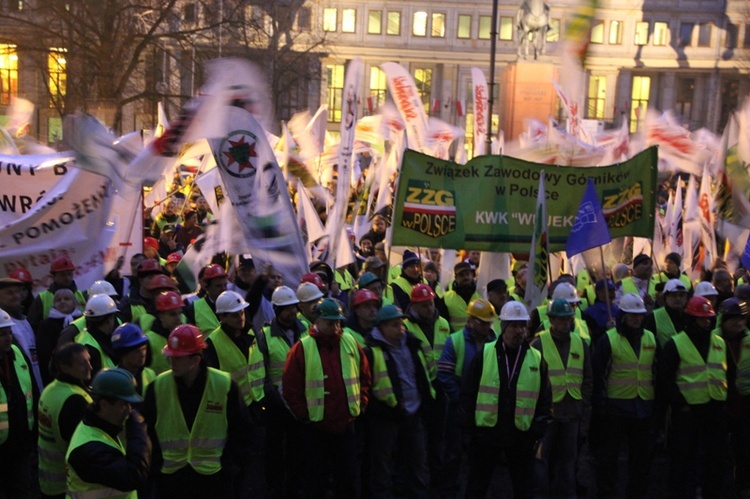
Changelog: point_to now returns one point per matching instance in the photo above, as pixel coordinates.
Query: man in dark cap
(411, 274)
(462, 292)
(640, 282)
(600, 316)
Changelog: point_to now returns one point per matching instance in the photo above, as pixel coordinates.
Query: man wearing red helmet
(202, 312)
(361, 320)
(197, 422)
(158, 326)
(62, 269)
(693, 376)
(151, 249)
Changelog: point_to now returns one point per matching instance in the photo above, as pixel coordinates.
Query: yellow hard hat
(482, 309)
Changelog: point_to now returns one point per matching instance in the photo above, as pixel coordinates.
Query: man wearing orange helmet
(197, 422)
(202, 312)
(62, 270)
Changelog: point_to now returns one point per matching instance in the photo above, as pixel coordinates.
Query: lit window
(641, 33)
(348, 20)
(394, 23)
(615, 32)
(8, 73)
(553, 32)
(506, 28)
(335, 88)
(330, 19)
(374, 22)
(438, 25)
(639, 101)
(686, 35)
(56, 67)
(485, 25)
(597, 32)
(596, 97)
(419, 26)
(464, 26)
(423, 81)
(378, 86)
(661, 33)
(704, 35)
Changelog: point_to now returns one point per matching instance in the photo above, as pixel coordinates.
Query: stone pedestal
(526, 91)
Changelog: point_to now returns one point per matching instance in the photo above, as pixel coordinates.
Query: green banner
(488, 204)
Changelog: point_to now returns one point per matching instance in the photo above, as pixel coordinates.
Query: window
(746, 41)
(374, 22)
(348, 20)
(464, 26)
(8, 73)
(394, 23)
(56, 67)
(615, 32)
(335, 91)
(304, 18)
(641, 33)
(597, 31)
(378, 86)
(330, 19)
(485, 25)
(684, 97)
(189, 13)
(686, 35)
(506, 28)
(596, 97)
(661, 33)
(423, 81)
(639, 101)
(419, 24)
(704, 35)
(553, 32)
(438, 25)
(733, 31)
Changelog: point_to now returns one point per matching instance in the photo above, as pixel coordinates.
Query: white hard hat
(567, 292)
(705, 288)
(514, 311)
(102, 288)
(283, 296)
(631, 303)
(229, 302)
(674, 285)
(99, 306)
(5, 320)
(307, 292)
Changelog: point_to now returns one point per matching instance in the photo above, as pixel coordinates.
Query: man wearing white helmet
(308, 295)
(11, 300)
(506, 397)
(623, 366)
(668, 320)
(706, 289)
(100, 324)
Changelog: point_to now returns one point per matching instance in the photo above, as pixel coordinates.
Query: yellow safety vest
(743, 367)
(205, 318)
(568, 378)
(249, 373)
(628, 286)
(664, 326)
(315, 378)
(528, 387)
(457, 309)
(52, 447)
(85, 338)
(382, 388)
(580, 328)
(77, 488)
(631, 376)
(441, 332)
(277, 352)
(48, 301)
(305, 323)
(23, 373)
(202, 446)
(701, 381)
(360, 339)
(136, 312)
(344, 279)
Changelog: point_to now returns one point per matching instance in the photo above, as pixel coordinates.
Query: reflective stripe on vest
(205, 318)
(85, 338)
(277, 351)
(80, 323)
(700, 381)
(664, 326)
(441, 332)
(528, 386)
(568, 378)
(248, 372)
(23, 373)
(459, 348)
(628, 286)
(52, 447)
(47, 298)
(203, 445)
(77, 488)
(631, 377)
(457, 309)
(314, 376)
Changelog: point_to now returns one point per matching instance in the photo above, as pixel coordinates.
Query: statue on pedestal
(532, 22)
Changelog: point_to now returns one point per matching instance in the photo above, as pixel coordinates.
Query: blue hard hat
(128, 335)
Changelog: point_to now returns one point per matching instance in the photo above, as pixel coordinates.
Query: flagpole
(490, 97)
(606, 284)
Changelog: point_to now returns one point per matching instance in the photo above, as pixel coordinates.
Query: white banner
(480, 110)
(409, 104)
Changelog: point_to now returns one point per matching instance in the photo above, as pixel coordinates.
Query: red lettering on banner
(479, 100)
(403, 91)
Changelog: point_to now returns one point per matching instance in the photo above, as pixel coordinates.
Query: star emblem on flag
(238, 153)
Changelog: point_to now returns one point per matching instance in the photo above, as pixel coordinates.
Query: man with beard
(462, 292)
(640, 282)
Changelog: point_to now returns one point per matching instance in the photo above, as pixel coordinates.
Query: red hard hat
(62, 264)
(22, 275)
(184, 340)
(213, 271)
(161, 281)
(699, 306)
(148, 267)
(168, 300)
(362, 296)
(150, 242)
(422, 292)
(174, 258)
(313, 278)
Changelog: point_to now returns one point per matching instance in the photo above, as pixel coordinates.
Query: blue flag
(590, 227)
(745, 260)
